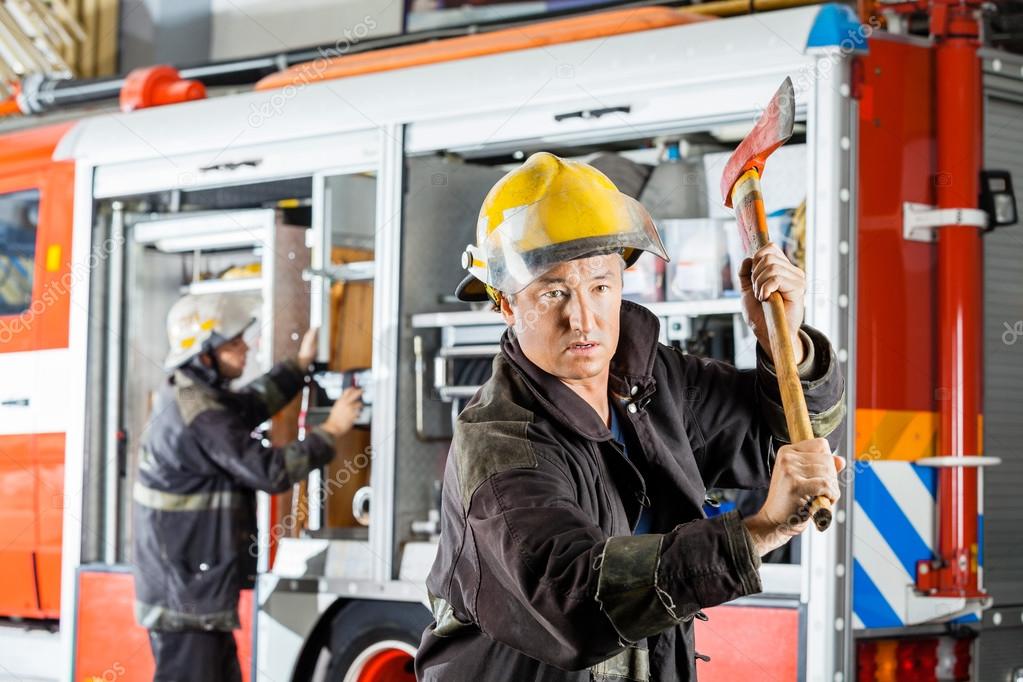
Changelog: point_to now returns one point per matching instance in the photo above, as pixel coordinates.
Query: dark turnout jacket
(194, 497)
(538, 576)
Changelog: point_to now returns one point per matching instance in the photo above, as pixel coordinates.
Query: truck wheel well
(318, 640)
(321, 635)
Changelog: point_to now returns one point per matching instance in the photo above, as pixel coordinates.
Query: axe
(740, 188)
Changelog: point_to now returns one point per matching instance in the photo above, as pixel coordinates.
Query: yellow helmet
(548, 211)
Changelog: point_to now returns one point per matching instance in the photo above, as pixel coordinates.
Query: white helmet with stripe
(200, 323)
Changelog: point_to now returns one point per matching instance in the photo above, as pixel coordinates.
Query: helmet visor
(534, 238)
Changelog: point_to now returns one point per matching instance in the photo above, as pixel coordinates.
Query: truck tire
(376, 642)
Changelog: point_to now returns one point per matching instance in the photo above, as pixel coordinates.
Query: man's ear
(506, 312)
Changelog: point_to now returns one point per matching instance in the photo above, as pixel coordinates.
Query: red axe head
(772, 130)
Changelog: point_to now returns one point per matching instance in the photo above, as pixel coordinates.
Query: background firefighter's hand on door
(346, 408)
(344, 412)
(307, 349)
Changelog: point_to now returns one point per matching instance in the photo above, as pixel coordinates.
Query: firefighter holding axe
(574, 545)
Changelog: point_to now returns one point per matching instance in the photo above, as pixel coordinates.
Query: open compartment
(448, 346)
(254, 242)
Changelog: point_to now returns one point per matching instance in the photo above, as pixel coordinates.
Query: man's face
(231, 357)
(566, 321)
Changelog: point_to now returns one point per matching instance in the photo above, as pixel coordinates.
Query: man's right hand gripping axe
(740, 188)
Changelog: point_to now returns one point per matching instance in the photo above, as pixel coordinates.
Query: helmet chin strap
(209, 346)
(494, 294)
(207, 373)
(215, 366)
(212, 370)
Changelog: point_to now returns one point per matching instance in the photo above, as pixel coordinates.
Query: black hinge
(593, 113)
(233, 165)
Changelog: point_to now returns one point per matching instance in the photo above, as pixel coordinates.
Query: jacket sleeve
(554, 586)
(734, 417)
(267, 395)
(226, 440)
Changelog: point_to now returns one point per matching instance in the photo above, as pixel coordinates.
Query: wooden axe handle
(747, 199)
(299, 508)
(792, 399)
(300, 491)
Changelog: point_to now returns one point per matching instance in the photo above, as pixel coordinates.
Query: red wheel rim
(390, 665)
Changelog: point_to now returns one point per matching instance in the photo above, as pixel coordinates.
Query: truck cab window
(19, 218)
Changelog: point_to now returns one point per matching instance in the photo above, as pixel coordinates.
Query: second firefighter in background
(199, 469)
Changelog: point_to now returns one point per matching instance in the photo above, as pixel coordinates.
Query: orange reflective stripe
(902, 435)
(898, 435)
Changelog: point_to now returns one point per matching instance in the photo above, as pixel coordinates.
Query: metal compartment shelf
(223, 286)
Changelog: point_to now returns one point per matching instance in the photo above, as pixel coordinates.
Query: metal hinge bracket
(921, 221)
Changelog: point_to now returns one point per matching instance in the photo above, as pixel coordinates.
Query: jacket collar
(195, 374)
(631, 376)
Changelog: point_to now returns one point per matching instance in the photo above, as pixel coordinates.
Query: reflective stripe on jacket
(194, 496)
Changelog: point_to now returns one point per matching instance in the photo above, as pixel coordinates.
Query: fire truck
(340, 193)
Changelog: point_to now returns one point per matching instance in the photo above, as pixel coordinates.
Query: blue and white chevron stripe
(894, 516)
(893, 528)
